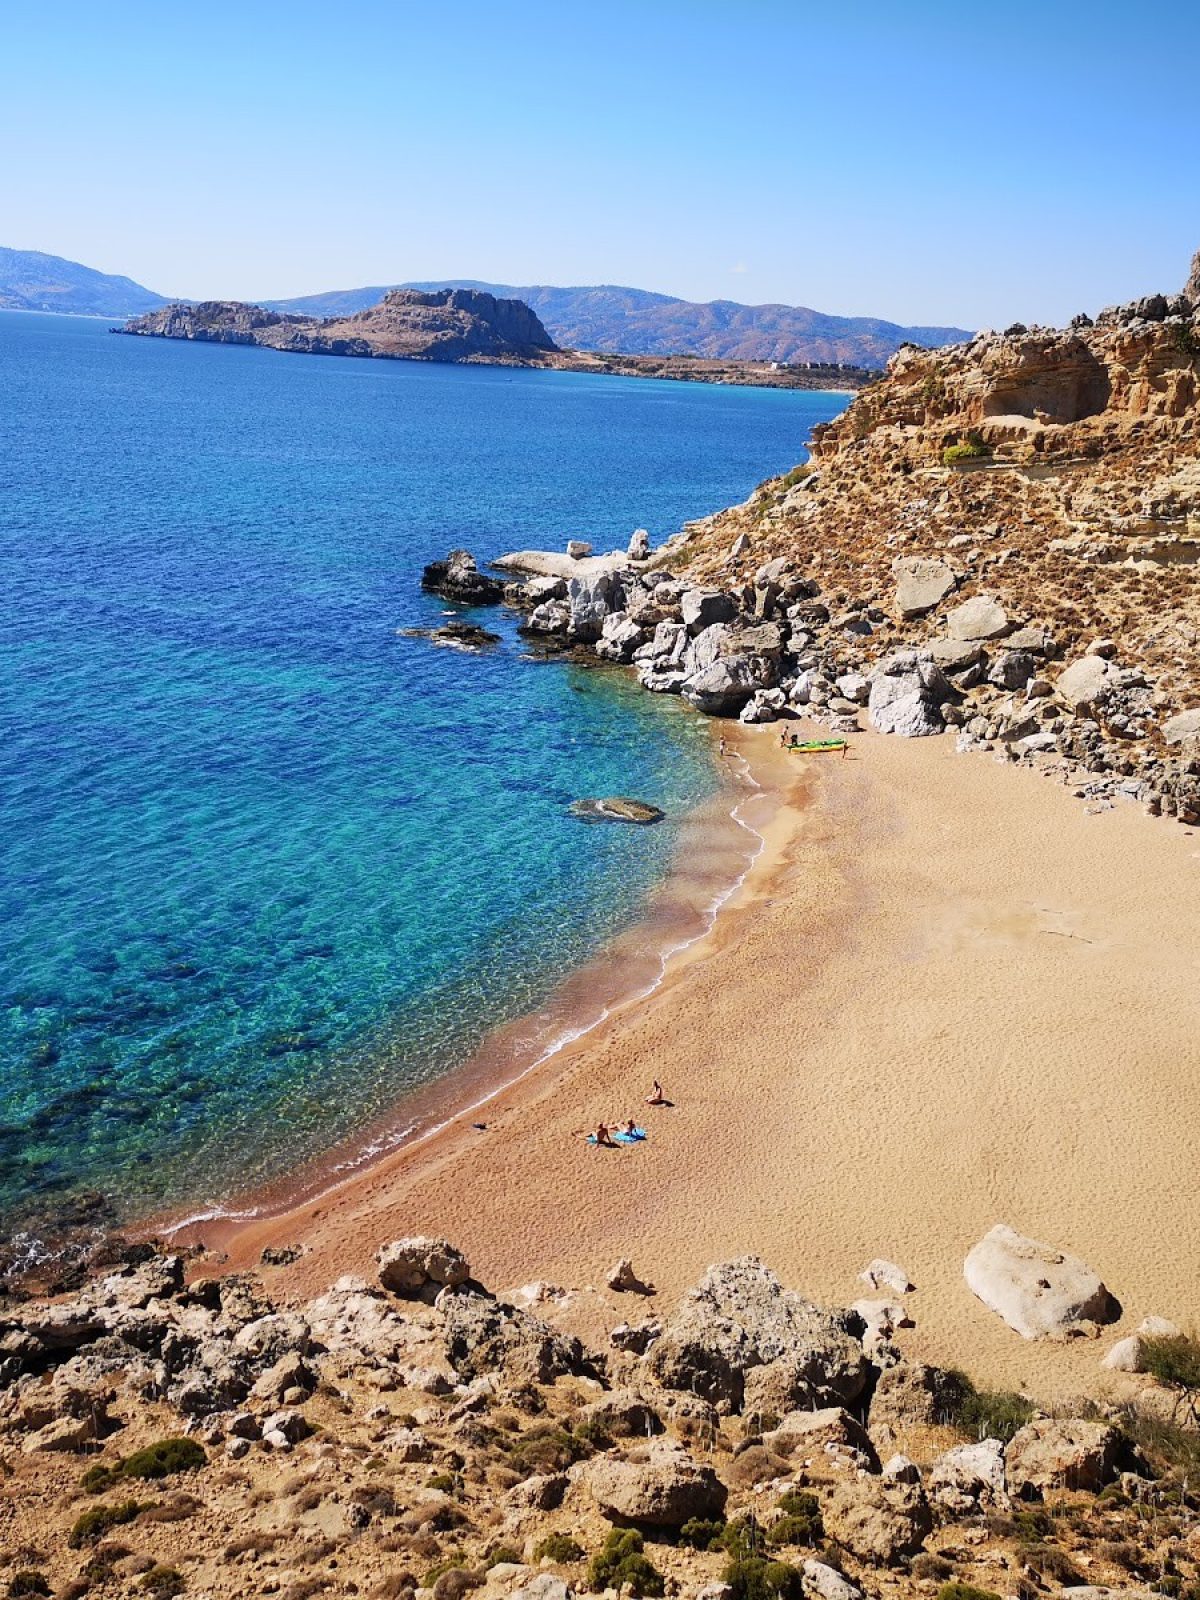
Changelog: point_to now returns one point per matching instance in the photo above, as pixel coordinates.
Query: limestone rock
(622, 1414)
(722, 689)
(1176, 730)
(700, 608)
(1051, 1454)
(591, 598)
(955, 655)
(916, 1393)
(879, 1520)
(968, 1478)
(902, 1469)
(821, 1582)
(1128, 1355)
(921, 584)
(623, 1278)
(639, 545)
(1040, 1292)
(880, 1274)
(662, 1489)
(484, 1335)
(1086, 683)
(619, 637)
(739, 1335)
(413, 1267)
(907, 692)
(980, 617)
(831, 1436)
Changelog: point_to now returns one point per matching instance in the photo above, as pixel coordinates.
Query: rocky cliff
(448, 325)
(417, 1437)
(1000, 538)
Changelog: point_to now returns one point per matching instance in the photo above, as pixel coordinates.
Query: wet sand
(945, 996)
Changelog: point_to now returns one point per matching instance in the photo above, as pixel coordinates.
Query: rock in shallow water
(616, 808)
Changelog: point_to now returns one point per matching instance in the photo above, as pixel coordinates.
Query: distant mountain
(638, 322)
(31, 281)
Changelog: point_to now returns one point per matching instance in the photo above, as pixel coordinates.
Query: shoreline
(707, 876)
(911, 1024)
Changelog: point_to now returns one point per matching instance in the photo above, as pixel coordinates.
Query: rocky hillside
(606, 317)
(166, 1433)
(32, 281)
(449, 325)
(1001, 538)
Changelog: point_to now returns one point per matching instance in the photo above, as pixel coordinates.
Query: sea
(269, 866)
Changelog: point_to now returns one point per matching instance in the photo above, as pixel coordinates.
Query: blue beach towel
(635, 1137)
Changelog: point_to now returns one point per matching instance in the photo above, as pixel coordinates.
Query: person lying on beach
(656, 1097)
(630, 1129)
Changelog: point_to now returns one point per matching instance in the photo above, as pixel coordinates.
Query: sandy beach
(945, 996)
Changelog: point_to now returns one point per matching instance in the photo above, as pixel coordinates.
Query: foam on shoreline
(423, 1115)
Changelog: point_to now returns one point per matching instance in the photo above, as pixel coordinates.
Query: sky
(929, 163)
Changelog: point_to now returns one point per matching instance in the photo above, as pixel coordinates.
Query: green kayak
(811, 746)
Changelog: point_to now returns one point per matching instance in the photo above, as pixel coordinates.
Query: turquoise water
(266, 863)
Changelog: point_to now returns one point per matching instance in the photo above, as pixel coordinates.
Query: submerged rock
(616, 808)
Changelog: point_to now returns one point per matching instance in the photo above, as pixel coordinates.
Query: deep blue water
(266, 863)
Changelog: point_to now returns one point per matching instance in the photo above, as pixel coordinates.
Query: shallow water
(266, 862)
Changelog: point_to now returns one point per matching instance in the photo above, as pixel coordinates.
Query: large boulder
(738, 1319)
(1072, 1454)
(722, 689)
(663, 1488)
(619, 637)
(914, 1393)
(879, 1520)
(1185, 726)
(421, 1267)
(484, 1335)
(830, 1436)
(592, 597)
(969, 1478)
(980, 617)
(907, 693)
(1086, 684)
(921, 584)
(700, 608)
(819, 1581)
(1041, 1292)
(458, 578)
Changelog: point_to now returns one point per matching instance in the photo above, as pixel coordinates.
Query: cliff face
(1040, 487)
(450, 325)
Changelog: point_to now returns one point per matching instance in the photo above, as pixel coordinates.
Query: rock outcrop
(441, 325)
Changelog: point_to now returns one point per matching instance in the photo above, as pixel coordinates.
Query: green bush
(755, 1578)
(1174, 1360)
(25, 1583)
(992, 1413)
(701, 1533)
(620, 1564)
(558, 1547)
(158, 1460)
(91, 1525)
(972, 448)
(1048, 1561)
(965, 1591)
(742, 1538)
(162, 1459)
(546, 1449)
(502, 1553)
(163, 1582)
(801, 1521)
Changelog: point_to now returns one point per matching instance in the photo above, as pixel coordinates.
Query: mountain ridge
(31, 280)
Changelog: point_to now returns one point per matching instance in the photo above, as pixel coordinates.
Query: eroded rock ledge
(420, 1435)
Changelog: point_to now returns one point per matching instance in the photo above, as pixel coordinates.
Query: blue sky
(963, 164)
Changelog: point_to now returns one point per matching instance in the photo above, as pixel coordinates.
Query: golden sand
(946, 996)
